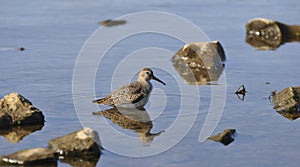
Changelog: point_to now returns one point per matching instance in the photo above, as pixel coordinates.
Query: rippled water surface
(53, 32)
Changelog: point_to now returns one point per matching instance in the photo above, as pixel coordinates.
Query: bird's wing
(128, 94)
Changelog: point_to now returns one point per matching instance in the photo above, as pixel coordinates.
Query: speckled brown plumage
(135, 94)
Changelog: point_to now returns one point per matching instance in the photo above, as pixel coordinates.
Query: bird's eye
(147, 73)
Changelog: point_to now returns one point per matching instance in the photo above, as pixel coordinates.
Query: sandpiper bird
(134, 95)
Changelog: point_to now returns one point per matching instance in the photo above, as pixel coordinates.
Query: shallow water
(53, 32)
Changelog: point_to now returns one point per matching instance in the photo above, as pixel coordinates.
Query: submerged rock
(35, 156)
(200, 62)
(20, 109)
(266, 34)
(110, 23)
(226, 137)
(79, 143)
(287, 102)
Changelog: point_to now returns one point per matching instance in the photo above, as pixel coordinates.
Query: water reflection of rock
(134, 119)
(287, 102)
(86, 161)
(15, 134)
(266, 34)
(200, 63)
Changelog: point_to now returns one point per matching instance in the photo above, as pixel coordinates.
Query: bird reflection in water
(137, 120)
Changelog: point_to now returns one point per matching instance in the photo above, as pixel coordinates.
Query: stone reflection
(266, 34)
(137, 120)
(287, 103)
(16, 134)
(86, 161)
(200, 63)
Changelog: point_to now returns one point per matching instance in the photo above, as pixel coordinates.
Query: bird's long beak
(158, 80)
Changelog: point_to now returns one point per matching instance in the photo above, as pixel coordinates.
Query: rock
(225, 137)
(79, 143)
(15, 134)
(110, 23)
(241, 92)
(287, 102)
(21, 48)
(200, 62)
(137, 120)
(35, 156)
(266, 34)
(20, 110)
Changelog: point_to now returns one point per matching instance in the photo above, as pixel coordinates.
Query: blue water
(53, 32)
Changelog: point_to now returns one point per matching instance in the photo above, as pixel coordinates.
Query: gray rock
(200, 62)
(287, 102)
(33, 156)
(79, 143)
(20, 110)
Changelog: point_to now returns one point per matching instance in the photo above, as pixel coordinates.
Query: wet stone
(199, 63)
(20, 110)
(267, 34)
(79, 143)
(226, 137)
(33, 156)
(111, 23)
(287, 102)
(263, 34)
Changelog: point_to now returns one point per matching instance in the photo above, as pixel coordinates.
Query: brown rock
(33, 156)
(225, 137)
(20, 110)
(82, 142)
(200, 62)
(267, 34)
(287, 102)
(110, 23)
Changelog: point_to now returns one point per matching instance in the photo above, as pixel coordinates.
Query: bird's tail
(97, 101)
